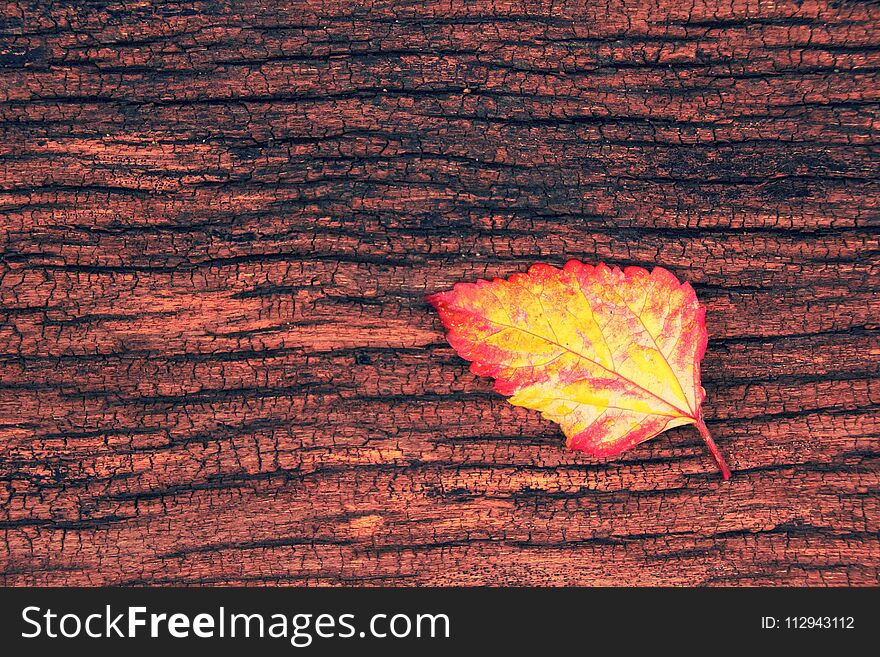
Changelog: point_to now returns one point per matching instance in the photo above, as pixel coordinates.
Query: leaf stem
(719, 458)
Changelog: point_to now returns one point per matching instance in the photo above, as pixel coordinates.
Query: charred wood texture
(219, 221)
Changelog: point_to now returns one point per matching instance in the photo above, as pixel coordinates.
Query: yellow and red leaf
(612, 356)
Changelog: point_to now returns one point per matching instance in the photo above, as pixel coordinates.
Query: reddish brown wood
(219, 221)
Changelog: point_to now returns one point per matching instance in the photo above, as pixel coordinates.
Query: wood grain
(219, 221)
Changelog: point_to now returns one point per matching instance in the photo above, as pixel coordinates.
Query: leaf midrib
(590, 360)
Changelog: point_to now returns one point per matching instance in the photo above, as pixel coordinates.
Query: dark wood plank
(218, 222)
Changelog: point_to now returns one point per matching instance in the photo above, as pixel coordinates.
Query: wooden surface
(219, 221)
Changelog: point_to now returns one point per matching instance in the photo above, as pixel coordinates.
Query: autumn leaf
(612, 356)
